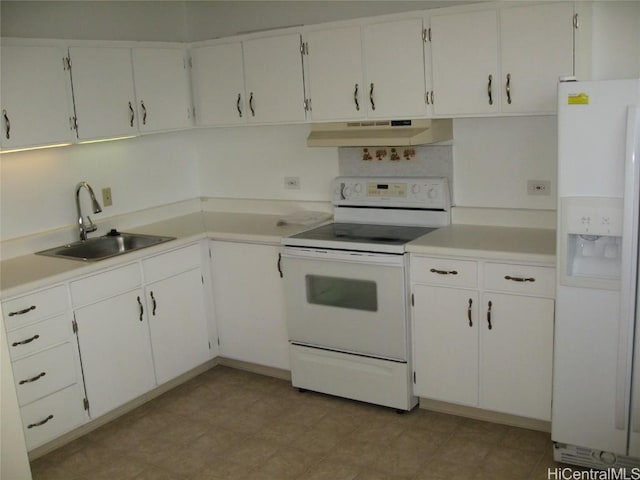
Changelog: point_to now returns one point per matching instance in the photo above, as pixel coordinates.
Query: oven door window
(342, 292)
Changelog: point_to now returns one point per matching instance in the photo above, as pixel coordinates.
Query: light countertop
(24, 273)
(499, 243)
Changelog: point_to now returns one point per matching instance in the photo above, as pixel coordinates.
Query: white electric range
(346, 295)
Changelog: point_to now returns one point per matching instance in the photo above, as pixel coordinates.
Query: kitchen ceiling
(183, 21)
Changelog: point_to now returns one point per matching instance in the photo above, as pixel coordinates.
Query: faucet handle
(91, 227)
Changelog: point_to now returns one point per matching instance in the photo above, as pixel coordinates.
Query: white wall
(251, 162)
(37, 187)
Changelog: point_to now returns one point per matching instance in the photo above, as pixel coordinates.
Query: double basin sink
(107, 246)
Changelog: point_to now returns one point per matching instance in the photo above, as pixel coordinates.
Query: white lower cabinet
(483, 334)
(45, 364)
(249, 302)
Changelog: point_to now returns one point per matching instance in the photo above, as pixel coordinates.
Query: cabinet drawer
(525, 279)
(45, 372)
(52, 416)
(106, 284)
(441, 271)
(38, 336)
(171, 263)
(33, 307)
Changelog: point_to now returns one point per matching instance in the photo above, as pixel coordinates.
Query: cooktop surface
(364, 233)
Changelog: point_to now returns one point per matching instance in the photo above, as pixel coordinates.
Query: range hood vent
(382, 133)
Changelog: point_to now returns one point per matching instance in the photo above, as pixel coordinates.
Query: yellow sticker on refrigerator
(578, 99)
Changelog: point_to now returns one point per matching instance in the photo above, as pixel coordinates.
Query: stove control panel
(400, 192)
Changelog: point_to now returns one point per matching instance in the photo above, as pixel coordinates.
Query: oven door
(346, 301)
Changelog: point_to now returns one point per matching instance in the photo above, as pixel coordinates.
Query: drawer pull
(40, 423)
(24, 342)
(443, 272)
(519, 279)
(489, 315)
(469, 312)
(22, 312)
(32, 379)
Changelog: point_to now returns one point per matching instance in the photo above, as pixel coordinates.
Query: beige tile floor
(230, 424)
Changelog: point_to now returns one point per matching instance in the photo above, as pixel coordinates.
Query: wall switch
(292, 183)
(107, 201)
(538, 187)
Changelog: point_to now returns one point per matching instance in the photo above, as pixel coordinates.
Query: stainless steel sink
(99, 248)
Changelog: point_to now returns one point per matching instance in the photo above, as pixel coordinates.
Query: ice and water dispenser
(590, 242)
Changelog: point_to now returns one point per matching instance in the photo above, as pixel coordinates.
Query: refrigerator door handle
(628, 274)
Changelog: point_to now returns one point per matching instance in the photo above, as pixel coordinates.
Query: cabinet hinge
(414, 376)
(74, 326)
(304, 47)
(66, 63)
(413, 303)
(85, 402)
(307, 104)
(426, 34)
(576, 23)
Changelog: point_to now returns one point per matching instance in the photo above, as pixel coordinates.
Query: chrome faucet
(91, 227)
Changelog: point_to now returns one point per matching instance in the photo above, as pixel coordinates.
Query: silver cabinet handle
(489, 92)
(489, 315)
(144, 112)
(131, 115)
(155, 304)
(24, 342)
(469, 312)
(238, 105)
(355, 98)
(141, 308)
(40, 423)
(253, 112)
(32, 379)
(373, 105)
(7, 125)
(519, 279)
(23, 311)
(443, 272)
(509, 88)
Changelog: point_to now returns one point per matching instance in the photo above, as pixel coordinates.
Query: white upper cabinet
(367, 71)
(394, 69)
(103, 92)
(36, 97)
(256, 80)
(162, 89)
(218, 84)
(504, 60)
(536, 49)
(334, 66)
(273, 79)
(465, 63)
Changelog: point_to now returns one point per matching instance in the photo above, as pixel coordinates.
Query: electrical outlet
(107, 201)
(292, 183)
(539, 187)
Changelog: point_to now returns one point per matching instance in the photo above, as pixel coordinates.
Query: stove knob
(357, 188)
(433, 193)
(415, 189)
(347, 191)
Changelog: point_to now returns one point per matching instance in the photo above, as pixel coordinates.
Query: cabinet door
(249, 303)
(218, 84)
(445, 344)
(162, 89)
(334, 65)
(103, 92)
(465, 63)
(516, 355)
(178, 325)
(273, 79)
(536, 48)
(115, 351)
(394, 82)
(36, 100)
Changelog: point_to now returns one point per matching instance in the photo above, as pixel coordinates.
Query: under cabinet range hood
(380, 133)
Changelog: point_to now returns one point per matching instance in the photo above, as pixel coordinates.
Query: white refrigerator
(596, 374)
